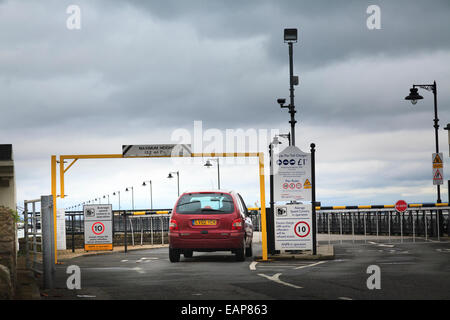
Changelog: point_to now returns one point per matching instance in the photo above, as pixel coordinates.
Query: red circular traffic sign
(401, 206)
(98, 228)
(302, 231)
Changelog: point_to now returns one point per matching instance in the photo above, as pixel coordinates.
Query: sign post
(294, 181)
(98, 227)
(438, 169)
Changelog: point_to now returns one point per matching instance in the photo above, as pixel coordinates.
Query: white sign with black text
(293, 227)
(292, 175)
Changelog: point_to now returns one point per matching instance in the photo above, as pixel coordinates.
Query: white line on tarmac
(345, 298)
(276, 278)
(381, 244)
(310, 265)
(253, 265)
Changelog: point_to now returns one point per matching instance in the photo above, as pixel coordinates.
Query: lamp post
(414, 96)
(208, 164)
(178, 179)
(271, 220)
(106, 196)
(118, 193)
(290, 37)
(151, 193)
(448, 181)
(132, 196)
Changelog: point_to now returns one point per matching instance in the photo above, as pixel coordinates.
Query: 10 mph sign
(98, 227)
(293, 227)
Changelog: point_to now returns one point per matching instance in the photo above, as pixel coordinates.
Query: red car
(210, 221)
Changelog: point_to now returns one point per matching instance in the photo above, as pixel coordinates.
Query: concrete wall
(8, 257)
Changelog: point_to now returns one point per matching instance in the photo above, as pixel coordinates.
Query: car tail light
(173, 225)
(237, 224)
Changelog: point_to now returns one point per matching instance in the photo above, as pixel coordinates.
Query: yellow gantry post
(259, 155)
(54, 196)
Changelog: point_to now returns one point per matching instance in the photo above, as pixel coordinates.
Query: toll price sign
(98, 227)
(292, 175)
(293, 227)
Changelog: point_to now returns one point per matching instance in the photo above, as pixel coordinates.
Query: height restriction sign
(98, 227)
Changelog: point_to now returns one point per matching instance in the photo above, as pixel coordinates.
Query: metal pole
(313, 195)
(73, 233)
(218, 173)
(271, 214)
(151, 195)
(25, 225)
(151, 228)
(178, 182)
(47, 239)
(291, 89)
(125, 238)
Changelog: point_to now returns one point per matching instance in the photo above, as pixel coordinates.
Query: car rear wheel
(240, 253)
(188, 253)
(249, 251)
(174, 255)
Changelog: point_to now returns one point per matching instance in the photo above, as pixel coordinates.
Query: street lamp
(106, 196)
(178, 179)
(132, 195)
(208, 165)
(151, 195)
(414, 96)
(118, 193)
(290, 37)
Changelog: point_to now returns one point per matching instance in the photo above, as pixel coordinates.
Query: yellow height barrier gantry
(75, 158)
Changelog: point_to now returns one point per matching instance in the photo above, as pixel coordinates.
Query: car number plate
(204, 222)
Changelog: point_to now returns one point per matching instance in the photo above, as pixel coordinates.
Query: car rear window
(205, 203)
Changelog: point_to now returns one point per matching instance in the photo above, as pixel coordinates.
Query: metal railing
(414, 222)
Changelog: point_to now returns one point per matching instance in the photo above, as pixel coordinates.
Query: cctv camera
(281, 101)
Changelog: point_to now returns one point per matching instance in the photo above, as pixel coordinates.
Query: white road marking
(139, 270)
(123, 260)
(345, 298)
(311, 265)
(381, 244)
(253, 265)
(85, 296)
(276, 278)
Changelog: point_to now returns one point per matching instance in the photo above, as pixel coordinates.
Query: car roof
(210, 191)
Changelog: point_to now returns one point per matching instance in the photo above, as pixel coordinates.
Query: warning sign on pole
(98, 227)
(438, 169)
(293, 227)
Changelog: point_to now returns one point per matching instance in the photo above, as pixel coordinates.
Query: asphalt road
(407, 270)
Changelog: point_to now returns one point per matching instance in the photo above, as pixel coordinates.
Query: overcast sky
(137, 72)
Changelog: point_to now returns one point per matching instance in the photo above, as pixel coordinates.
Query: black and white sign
(98, 227)
(156, 150)
(292, 175)
(293, 227)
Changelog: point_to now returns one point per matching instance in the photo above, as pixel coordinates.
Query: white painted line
(345, 298)
(139, 270)
(311, 265)
(85, 296)
(276, 278)
(123, 260)
(253, 265)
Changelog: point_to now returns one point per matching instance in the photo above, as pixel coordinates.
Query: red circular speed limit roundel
(302, 229)
(401, 206)
(98, 228)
